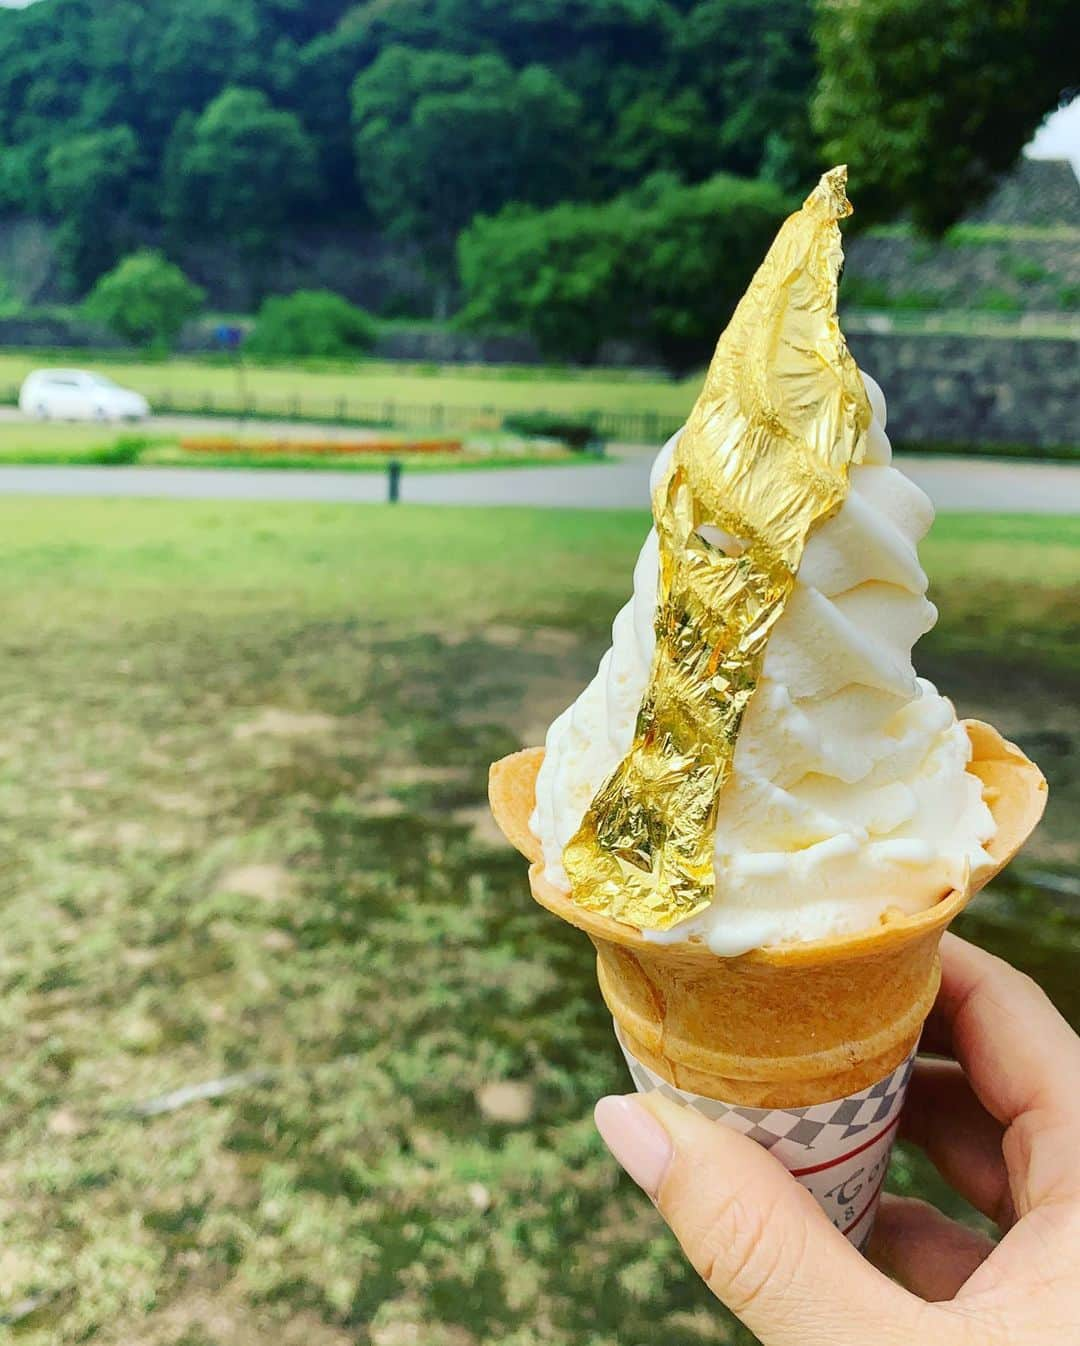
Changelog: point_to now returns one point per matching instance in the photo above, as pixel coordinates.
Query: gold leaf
(761, 462)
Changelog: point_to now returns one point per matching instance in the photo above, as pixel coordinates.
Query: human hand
(1001, 1121)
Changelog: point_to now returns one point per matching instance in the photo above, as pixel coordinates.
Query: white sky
(1059, 136)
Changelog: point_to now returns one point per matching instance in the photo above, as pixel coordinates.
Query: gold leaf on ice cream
(761, 462)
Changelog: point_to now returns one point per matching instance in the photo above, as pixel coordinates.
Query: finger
(1023, 1062)
(929, 1254)
(944, 1118)
(1016, 1049)
(758, 1239)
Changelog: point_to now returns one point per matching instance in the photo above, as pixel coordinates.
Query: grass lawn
(81, 444)
(243, 841)
(368, 385)
(627, 405)
(48, 442)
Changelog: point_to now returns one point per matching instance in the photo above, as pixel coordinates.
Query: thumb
(759, 1240)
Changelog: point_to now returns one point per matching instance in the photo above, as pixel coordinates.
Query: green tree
(44, 68)
(183, 56)
(440, 138)
(108, 86)
(929, 100)
(555, 33)
(86, 177)
(492, 101)
(754, 62)
(701, 245)
(608, 53)
(321, 94)
(241, 170)
(145, 300)
(564, 275)
(665, 265)
(662, 131)
(305, 19)
(311, 322)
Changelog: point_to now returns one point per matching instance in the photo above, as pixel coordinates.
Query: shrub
(665, 264)
(145, 299)
(917, 301)
(864, 292)
(575, 434)
(562, 275)
(311, 322)
(994, 300)
(1026, 270)
(125, 449)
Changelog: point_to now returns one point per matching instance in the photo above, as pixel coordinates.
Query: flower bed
(297, 448)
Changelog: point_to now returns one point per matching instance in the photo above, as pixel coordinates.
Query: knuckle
(1041, 1160)
(737, 1256)
(1016, 1143)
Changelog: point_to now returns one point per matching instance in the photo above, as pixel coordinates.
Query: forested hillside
(221, 130)
(240, 118)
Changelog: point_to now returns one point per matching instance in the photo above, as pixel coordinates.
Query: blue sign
(228, 337)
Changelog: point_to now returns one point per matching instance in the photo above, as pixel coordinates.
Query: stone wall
(447, 345)
(1018, 252)
(1022, 275)
(48, 331)
(1034, 191)
(975, 389)
(441, 345)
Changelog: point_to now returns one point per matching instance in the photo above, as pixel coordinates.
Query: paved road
(952, 483)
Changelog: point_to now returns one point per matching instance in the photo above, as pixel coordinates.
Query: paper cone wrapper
(838, 1151)
(787, 1026)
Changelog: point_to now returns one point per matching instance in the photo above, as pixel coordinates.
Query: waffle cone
(787, 1025)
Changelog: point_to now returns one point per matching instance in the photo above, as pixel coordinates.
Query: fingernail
(636, 1139)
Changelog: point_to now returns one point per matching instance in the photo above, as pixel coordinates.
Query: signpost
(231, 339)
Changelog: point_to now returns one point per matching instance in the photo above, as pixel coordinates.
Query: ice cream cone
(789, 1025)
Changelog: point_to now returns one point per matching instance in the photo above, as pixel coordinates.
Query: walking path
(954, 484)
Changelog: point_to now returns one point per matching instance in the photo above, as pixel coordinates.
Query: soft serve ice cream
(761, 817)
(849, 794)
(756, 762)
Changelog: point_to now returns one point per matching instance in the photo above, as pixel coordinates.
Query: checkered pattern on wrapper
(843, 1119)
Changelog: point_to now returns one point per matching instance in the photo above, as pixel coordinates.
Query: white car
(76, 395)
